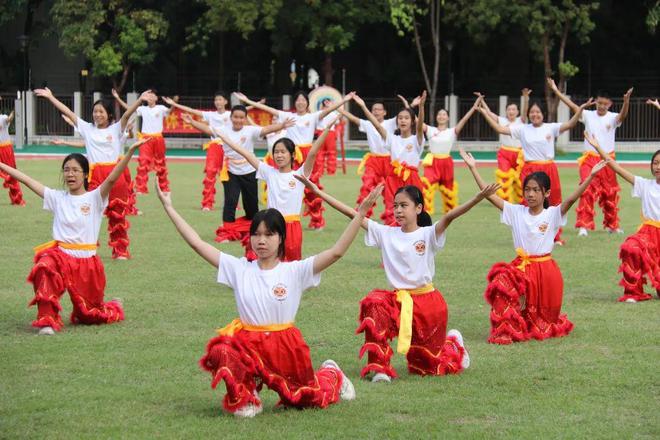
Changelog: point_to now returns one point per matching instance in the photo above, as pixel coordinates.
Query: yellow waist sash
(649, 222)
(72, 246)
(539, 162)
(149, 135)
(428, 159)
(292, 218)
(208, 144)
(527, 259)
(365, 158)
(5, 144)
(508, 148)
(402, 170)
(237, 325)
(404, 296)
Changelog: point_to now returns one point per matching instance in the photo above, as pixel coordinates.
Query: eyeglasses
(72, 170)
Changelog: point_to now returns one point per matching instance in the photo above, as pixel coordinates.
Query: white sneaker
(206, 209)
(628, 300)
(465, 362)
(583, 232)
(46, 331)
(347, 391)
(615, 231)
(248, 411)
(381, 377)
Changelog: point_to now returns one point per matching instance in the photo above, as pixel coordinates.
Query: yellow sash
(428, 159)
(365, 158)
(72, 246)
(209, 143)
(5, 144)
(237, 325)
(401, 170)
(149, 135)
(527, 259)
(649, 222)
(298, 154)
(224, 171)
(539, 162)
(291, 218)
(405, 321)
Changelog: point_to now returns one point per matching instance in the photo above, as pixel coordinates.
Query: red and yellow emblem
(85, 208)
(420, 247)
(543, 227)
(280, 292)
(292, 184)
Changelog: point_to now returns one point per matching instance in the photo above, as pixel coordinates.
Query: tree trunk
(119, 87)
(550, 99)
(327, 70)
(221, 60)
(435, 37)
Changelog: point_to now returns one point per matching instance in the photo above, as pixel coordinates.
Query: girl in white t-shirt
(640, 253)
(411, 308)
(215, 156)
(537, 139)
(438, 164)
(104, 145)
(302, 134)
(533, 274)
(263, 346)
(69, 262)
(285, 193)
(7, 157)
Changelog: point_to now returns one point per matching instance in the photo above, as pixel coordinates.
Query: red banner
(260, 117)
(173, 123)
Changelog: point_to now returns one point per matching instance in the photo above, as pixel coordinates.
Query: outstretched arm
(118, 170)
(468, 115)
(336, 105)
(420, 119)
(46, 93)
(204, 128)
(121, 102)
(455, 213)
(76, 144)
(472, 165)
(328, 257)
(131, 109)
(654, 103)
(370, 116)
(185, 108)
(308, 165)
(244, 99)
(626, 106)
(348, 115)
(576, 117)
(248, 155)
(273, 128)
(494, 116)
(37, 187)
(525, 104)
(565, 99)
(627, 175)
(570, 200)
(494, 124)
(203, 249)
(10, 118)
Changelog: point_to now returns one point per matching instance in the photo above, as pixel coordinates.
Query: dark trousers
(246, 186)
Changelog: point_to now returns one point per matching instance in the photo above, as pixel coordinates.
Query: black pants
(246, 186)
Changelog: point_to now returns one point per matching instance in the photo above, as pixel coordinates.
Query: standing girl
(533, 274)
(640, 253)
(104, 147)
(538, 143)
(263, 346)
(7, 157)
(413, 309)
(70, 262)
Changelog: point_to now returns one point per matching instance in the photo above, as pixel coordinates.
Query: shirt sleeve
(615, 121)
(3, 120)
(50, 199)
(373, 237)
(362, 128)
(639, 187)
(508, 213)
(165, 109)
(139, 110)
(83, 127)
(557, 218)
(516, 131)
(229, 269)
(554, 129)
(264, 171)
(255, 132)
(206, 116)
(99, 201)
(435, 241)
(430, 131)
(389, 124)
(306, 274)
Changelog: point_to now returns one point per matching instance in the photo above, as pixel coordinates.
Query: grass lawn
(140, 378)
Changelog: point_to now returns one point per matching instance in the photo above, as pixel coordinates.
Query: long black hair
(274, 223)
(413, 118)
(84, 164)
(544, 182)
(414, 194)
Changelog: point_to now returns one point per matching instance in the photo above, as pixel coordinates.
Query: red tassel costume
(603, 189)
(7, 157)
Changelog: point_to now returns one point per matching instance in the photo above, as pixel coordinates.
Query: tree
(653, 17)
(114, 35)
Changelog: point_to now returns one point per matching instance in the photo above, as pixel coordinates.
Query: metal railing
(49, 121)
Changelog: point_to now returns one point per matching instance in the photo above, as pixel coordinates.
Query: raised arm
(203, 249)
(495, 125)
(328, 257)
(370, 116)
(654, 103)
(121, 102)
(201, 126)
(494, 116)
(10, 118)
(348, 115)
(308, 165)
(455, 213)
(472, 166)
(118, 170)
(565, 99)
(131, 109)
(525, 104)
(274, 128)
(570, 200)
(36, 186)
(248, 155)
(244, 99)
(334, 106)
(71, 143)
(469, 114)
(627, 175)
(404, 101)
(46, 93)
(626, 106)
(185, 108)
(576, 117)
(420, 119)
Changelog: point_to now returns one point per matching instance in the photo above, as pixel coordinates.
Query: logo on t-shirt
(543, 227)
(548, 137)
(409, 147)
(307, 124)
(420, 247)
(85, 208)
(608, 127)
(108, 138)
(243, 139)
(279, 291)
(292, 184)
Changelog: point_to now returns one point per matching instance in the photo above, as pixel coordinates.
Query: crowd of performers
(525, 294)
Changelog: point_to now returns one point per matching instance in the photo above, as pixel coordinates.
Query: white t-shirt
(602, 127)
(408, 258)
(152, 118)
(265, 297)
(389, 124)
(303, 131)
(440, 141)
(535, 234)
(505, 139)
(245, 137)
(406, 150)
(103, 145)
(323, 123)
(216, 120)
(649, 191)
(538, 143)
(4, 129)
(76, 219)
(374, 140)
(285, 192)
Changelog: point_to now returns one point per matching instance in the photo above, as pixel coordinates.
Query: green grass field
(140, 378)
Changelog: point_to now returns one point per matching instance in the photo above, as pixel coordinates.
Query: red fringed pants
(313, 203)
(604, 188)
(541, 285)
(278, 359)
(7, 157)
(431, 352)
(509, 164)
(640, 257)
(214, 157)
(550, 168)
(400, 175)
(117, 209)
(327, 156)
(84, 279)
(440, 176)
(233, 231)
(152, 158)
(376, 170)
